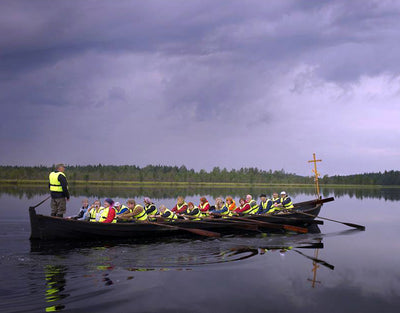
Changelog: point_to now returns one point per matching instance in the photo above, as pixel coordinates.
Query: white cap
(283, 192)
(117, 204)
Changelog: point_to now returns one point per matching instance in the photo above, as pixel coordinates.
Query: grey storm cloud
(174, 76)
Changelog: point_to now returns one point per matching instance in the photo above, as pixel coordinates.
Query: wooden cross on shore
(314, 160)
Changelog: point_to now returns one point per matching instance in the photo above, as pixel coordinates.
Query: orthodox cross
(314, 160)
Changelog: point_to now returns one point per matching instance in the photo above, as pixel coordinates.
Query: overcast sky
(201, 83)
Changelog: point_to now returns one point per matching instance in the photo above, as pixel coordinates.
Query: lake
(350, 271)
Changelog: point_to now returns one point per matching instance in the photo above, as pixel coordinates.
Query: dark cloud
(179, 77)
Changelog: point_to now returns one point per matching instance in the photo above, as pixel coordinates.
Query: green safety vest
(55, 185)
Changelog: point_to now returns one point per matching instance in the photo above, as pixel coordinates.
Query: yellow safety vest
(142, 216)
(274, 206)
(93, 214)
(152, 208)
(288, 205)
(264, 205)
(254, 206)
(248, 211)
(172, 216)
(226, 213)
(178, 207)
(204, 205)
(197, 215)
(121, 208)
(104, 214)
(54, 183)
(202, 208)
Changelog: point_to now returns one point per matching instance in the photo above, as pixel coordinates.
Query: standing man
(59, 191)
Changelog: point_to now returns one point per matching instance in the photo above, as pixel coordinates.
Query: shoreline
(35, 182)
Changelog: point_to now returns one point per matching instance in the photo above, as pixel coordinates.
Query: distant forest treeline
(160, 173)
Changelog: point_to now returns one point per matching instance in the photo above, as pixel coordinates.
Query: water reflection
(108, 265)
(55, 285)
(173, 192)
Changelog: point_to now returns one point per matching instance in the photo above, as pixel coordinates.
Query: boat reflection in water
(87, 270)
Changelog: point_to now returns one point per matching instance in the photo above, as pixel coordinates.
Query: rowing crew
(112, 212)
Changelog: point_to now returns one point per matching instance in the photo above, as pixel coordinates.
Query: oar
(360, 227)
(273, 225)
(330, 266)
(234, 224)
(196, 231)
(293, 219)
(33, 207)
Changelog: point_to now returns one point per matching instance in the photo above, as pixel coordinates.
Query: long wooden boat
(54, 228)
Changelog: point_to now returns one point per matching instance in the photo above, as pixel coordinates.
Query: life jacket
(264, 205)
(232, 206)
(55, 185)
(172, 216)
(196, 215)
(202, 207)
(122, 209)
(104, 214)
(249, 210)
(225, 213)
(94, 214)
(178, 207)
(274, 207)
(142, 216)
(151, 209)
(288, 205)
(254, 206)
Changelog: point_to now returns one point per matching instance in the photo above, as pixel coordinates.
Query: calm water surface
(356, 271)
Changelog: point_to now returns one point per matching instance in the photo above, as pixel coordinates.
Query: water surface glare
(340, 269)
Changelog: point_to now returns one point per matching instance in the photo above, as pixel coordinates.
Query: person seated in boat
(265, 204)
(276, 203)
(230, 203)
(194, 212)
(253, 204)
(94, 211)
(107, 215)
(221, 208)
(204, 206)
(149, 206)
(136, 212)
(181, 206)
(286, 202)
(82, 211)
(120, 208)
(167, 214)
(244, 207)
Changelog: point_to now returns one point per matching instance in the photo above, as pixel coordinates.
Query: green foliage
(388, 178)
(163, 173)
(154, 173)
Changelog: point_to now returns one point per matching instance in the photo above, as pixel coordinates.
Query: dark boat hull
(54, 228)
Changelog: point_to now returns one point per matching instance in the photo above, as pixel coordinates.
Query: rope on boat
(41, 202)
